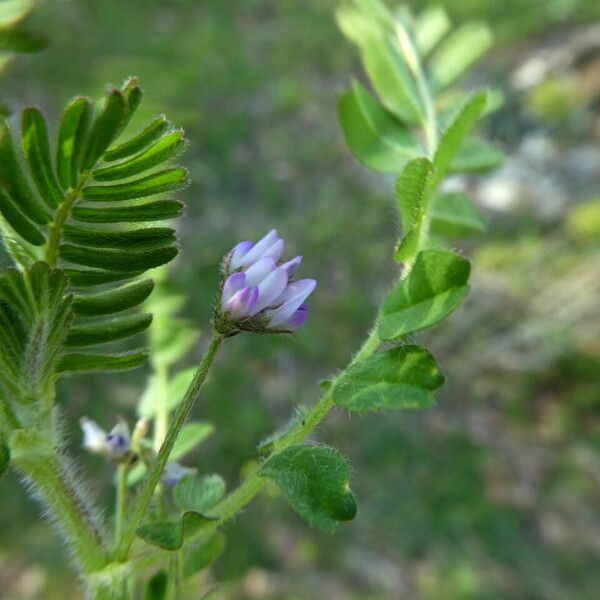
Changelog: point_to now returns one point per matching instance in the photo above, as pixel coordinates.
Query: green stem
(62, 214)
(121, 500)
(240, 497)
(179, 417)
(248, 489)
(161, 421)
(33, 455)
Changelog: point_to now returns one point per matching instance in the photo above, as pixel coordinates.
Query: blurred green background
(493, 494)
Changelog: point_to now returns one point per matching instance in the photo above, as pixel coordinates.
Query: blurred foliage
(494, 493)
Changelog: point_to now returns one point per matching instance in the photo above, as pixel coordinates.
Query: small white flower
(115, 444)
(94, 437)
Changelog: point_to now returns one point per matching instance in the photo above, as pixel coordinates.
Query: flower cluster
(260, 293)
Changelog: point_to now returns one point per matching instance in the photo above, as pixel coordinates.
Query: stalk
(178, 419)
(52, 481)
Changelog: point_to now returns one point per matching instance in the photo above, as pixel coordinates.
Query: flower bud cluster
(259, 293)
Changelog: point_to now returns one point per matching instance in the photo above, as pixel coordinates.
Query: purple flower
(259, 293)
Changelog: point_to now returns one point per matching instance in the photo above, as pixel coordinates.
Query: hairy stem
(242, 496)
(33, 455)
(178, 420)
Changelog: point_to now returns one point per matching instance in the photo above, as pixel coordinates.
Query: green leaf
(199, 495)
(157, 183)
(176, 389)
(171, 343)
(36, 149)
(178, 385)
(355, 24)
(459, 51)
(4, 457)
(412, 196)
(170, 535)
(454, 135)
(377, 10)
(431, 26)
(79, 278)
(19, 222)
(454, 215)
(204, 554)
(72, 136)
(373, 135)
(21, 251)
(118, 259)
(396, 379)
(162, 150)
(391, 78)
(314, 479)
(135, 239)
(115, 300)
(142, 140)
(151, 211)
(14, 182)
(434, 287)
(87, 363)
(475, 156)
(108, 331)
(21, 40)
(12, 11)
(105, 128)
(157, 587)
(191, 436)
